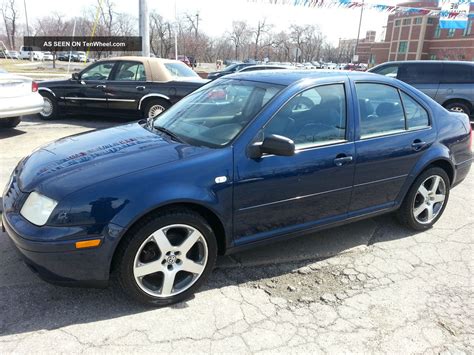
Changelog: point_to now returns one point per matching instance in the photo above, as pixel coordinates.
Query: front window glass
(180, 70)
(215, 114)
(133, 71)
(380, 109)
(97, 72)
(316, 116)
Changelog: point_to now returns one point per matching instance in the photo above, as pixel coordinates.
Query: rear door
(127, 86)
(457, 82)
(425, 76)
(394, 130)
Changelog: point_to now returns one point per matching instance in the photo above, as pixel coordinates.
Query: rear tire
(458, 107)
(426, 200)
(10, 122)
(178, 250)
(50, 107)
(155, 107)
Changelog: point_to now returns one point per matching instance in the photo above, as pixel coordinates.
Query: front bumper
(58, 261)
(21, 105)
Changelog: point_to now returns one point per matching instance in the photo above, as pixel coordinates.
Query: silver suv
(449, 83)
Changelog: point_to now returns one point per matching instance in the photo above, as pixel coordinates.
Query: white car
(27, 52)
(47, 56)
(18, 97)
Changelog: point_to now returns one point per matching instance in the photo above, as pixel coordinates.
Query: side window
(416, 115)
(458, 74)
(390, 71)
(130, 71)
(97, 72)
(420, 73)
(381, 111)
(315, 116)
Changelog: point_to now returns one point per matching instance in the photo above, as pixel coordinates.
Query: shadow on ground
(33, 305)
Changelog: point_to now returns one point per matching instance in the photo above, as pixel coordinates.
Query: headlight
(37, 208)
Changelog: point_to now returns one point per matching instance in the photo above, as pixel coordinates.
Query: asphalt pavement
(367, 287)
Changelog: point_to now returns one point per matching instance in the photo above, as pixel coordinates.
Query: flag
(454, 13)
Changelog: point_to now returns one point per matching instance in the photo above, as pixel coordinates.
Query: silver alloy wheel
(47, 107)
(429, 199)
(163, 269)
(457, 109)
(155, 110)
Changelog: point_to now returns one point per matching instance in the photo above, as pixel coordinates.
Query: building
(415, 37)
(346, 47)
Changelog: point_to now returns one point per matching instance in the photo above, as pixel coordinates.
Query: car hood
(78, 161)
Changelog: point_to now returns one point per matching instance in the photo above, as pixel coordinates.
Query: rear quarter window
(458, 74)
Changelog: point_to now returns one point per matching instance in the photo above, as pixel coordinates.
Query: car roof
(288, 77)
(144, 59)
(429, 61)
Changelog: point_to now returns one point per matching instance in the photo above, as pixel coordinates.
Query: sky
(216, 16)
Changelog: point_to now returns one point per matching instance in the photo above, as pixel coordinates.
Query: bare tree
(106, 10)
(161, 33)
(10, 17)
(239, 35)
(262, 29)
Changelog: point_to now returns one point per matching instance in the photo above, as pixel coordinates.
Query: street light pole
(358, 31)
(144, 26)
(26, 19)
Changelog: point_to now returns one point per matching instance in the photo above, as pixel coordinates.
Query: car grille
(13, 198)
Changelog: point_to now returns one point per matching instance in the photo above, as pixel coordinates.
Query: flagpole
(358, 31)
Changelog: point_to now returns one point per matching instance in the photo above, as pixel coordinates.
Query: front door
(93, 82)
(275, 194)
(391, 138)
(127, 86)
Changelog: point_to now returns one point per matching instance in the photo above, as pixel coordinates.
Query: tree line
(257, 41)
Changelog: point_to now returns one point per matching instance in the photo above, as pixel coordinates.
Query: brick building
(414, 37)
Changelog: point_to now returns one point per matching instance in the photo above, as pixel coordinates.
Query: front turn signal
(91, 243)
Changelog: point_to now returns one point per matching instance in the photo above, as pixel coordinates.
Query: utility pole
(144, 26)
(176, 29)
(358, 31)
(197, 25)
(26, 18)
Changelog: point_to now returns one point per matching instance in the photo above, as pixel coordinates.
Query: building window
(433, 57)
(451, 32)
(418, 20)
(407, 21)
(402, 47)
(437, 33)
(468, 29)
(431, 20)
(397, 22)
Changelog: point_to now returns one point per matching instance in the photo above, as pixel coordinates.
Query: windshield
(215, 114)
(180, 70)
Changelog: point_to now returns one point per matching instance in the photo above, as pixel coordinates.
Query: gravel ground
(368, 287)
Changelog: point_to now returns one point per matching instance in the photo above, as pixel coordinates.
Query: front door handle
(342, 160)
(140, 88)
(418, 145)
(101, 86)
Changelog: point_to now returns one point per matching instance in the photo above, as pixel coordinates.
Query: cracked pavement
(367, 287)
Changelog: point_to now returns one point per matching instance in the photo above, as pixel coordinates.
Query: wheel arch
(460, 100)
(147, 98)
(46, 90)
(210, 216)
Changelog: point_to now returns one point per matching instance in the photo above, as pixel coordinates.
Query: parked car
(264, 67)
(9, 54)
(236, 164)
(80, 57)
(449, 83)
(233, 68)
(128, 86)
(18, 97)
(47, 56)
(27, 52)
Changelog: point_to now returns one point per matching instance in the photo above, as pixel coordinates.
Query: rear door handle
(418, 145)
(101, 86)
(340, 161)
(140, 88)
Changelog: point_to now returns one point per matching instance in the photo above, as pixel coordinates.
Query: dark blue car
(247, 159)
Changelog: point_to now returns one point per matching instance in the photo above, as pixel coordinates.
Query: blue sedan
(247, 159)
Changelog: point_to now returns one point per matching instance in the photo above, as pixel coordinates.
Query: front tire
(50, 107)
(426, 200)
(9, 122)
(166, 257)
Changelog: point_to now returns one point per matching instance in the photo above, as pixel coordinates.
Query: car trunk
(13, 86)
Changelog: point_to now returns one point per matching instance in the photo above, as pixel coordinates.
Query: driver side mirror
(273, 144)
(75, 76)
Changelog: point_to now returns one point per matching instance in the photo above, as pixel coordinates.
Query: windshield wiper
(169, 133)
